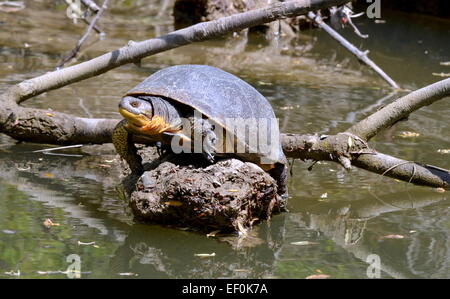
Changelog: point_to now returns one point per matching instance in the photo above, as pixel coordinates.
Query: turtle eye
(134, 104)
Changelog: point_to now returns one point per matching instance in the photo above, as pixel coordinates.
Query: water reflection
(356, 227)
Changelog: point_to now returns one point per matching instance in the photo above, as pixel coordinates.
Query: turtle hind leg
(280, 174)
(123, 142)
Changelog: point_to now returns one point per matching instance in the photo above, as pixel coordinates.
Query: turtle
(204, 108)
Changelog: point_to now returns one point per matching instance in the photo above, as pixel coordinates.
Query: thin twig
(395, 166)
(80, 42)
(362, 56)
(57, 148)
(92, 6)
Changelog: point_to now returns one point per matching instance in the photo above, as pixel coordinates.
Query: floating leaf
(289, 107)
(8, 232)
(205, 254)
(393, 237)
(444, 151)
(86, 244)
(441, 74)
(12, 273)
(212, 234)
(49, 223)
(408, 134)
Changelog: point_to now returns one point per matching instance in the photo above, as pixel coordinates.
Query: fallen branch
(400, 109)
(362, 56)
(334, 147)
(45, 126)
(135, 51)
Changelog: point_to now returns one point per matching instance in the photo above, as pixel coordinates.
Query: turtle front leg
(123, 142)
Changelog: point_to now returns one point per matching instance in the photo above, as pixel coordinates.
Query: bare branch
(135, 51)
(80, 42)
(91, 5)
(362, 56)
(333, 147)
(400, 108)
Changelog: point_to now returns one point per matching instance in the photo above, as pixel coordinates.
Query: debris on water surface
(440, 190)
(205, 254)
(9, 232)
(408, 134)
(13, 273)
(49, 223)
(88, 244)
(323, 196)
(213, 233)
(444, 151)
(393, 237)
(441, 74)
(304, 243)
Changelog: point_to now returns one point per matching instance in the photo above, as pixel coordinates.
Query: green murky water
(314, 86)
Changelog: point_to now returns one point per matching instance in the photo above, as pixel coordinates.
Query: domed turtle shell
(213, 92)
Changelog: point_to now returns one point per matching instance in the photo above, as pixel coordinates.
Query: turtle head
(140, 116)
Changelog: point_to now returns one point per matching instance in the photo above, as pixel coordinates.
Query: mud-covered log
(229, 195)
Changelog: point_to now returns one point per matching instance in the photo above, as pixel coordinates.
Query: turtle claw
(209, 157)
(158, 145)
(209, 142)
